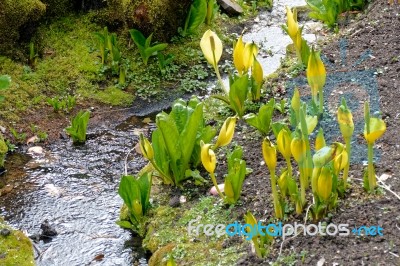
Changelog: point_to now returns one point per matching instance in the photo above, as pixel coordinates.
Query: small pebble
(213, 190)
(5, 232)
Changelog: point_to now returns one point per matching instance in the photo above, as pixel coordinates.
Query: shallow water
(75, 187)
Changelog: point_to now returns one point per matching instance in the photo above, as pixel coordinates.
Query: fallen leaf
(33, 139)
(99, 257)
(147, 120)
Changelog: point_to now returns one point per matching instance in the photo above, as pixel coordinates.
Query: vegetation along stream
(67, 197)
(74, 187)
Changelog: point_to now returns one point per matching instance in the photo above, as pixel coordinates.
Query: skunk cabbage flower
(146, 148)
(269, 153)
(320, 140)
(226, 133)
(208, 157)
(211, 46)
(316, 73)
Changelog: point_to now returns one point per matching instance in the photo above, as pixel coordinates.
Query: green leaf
(196, 16)
(189, 134)
(170, 135)
(144, 182)
(161, 156)
(138, 38)
(5, 82)
(129, 191)
(154, 49)
(125, 224)
(78, 127)
(238, 93)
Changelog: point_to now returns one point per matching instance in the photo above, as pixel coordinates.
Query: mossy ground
(168, 234)
(15, 249)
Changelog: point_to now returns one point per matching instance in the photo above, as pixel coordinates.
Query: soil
(377, 31)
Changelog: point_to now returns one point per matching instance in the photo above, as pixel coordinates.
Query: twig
(126, 160)
(394, 254)
(383, 185)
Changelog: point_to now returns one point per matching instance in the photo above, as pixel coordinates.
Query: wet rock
(5, 232)
(47, 229)
(174, 202)
(230, 7)
(36, 150)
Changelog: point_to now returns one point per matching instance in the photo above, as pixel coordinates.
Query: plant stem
(214, 180)
(371, 170)
(277, 205)
(347, 167)
(220, 80)
(303, 185)
(165, 177)
(321, 102)
(289, 167)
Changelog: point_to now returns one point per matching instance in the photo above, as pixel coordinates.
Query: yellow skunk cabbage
(226, 133)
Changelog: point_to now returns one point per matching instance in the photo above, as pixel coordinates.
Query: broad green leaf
(161, 157)
(197, 15)
(129, 191)
(238, 93)
(125, 224)
(144, 182)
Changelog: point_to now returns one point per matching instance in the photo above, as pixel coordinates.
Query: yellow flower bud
(226, 133)
(295, 103)
(298, 149)
(341, 157)
(284, 141)
(146, 148)
(137, 208)
(320, 140)
(269, 153)
(238, 56)
(211, 46)
(257, 71)
(316, 171)
(323, 156)
(345, 120)
(325, 181)
(316, 73)
(208, 157)
(376, 129)
(250, 51)
(283, 183)
(292, 24)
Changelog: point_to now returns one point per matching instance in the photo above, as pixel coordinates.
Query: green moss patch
(15, 249)
(168, 234)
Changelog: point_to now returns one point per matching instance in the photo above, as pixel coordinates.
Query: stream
(75, 188)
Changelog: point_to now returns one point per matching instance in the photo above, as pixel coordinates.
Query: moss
(58, 7)
(15, 249)
(13, 16)
(161, 17)
(3, 150)
(168, 228)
